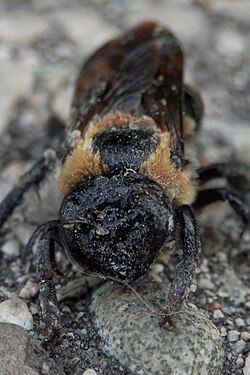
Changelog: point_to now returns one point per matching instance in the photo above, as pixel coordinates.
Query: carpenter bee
(127, 187)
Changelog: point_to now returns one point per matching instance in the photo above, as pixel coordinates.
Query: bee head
(115, 226)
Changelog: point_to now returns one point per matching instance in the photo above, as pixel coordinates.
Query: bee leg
(45, 259)
(239, 205)
(189, 243)
(29, 179)
(193, 110)
(237, 175)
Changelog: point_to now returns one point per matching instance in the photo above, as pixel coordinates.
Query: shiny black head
(116, 225)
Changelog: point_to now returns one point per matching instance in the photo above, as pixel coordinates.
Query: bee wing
(141, 72)
(113, 79)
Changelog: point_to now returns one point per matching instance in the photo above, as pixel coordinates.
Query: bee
(127, 188)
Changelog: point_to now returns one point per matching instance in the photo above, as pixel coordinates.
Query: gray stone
(231, 44)
(187, 22)
(239, 346)
(16, 311)
(206, 284)
(133, 334)
(237, 10)
(29, 290)
(233, 336)
(89, 371)
(218, 314)
(246, 370)
(11, 248)
(240, 322)
(22, 28)
(13, 349)
(71, 21)
(240, 362)
(245, 336)
(18, 85)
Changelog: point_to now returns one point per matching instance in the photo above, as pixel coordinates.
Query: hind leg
(236, 175)
(30, 179)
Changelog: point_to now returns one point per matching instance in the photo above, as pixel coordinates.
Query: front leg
(45, 259)
(189, 244)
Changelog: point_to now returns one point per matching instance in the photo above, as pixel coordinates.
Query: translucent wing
(139, 73)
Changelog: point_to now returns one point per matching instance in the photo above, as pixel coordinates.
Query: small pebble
(75, 360)
(215, 305)
(218, 314)
(247, 304)
(193, 288)
(229, 323)
(33, 309)
(29, 290)
(222, 294)
(233, 336)
(240, 322)
(223, 332)
(204, 266)
(245, 336)
(45, 369)
(240, 362)
(206, 284)
(66, 309)
(65, 343)
(11, 248)
(239, 347)
(89, 372)
(70, 335)
(157, 268)
(16, 311)
(79, 315)
(222, 257)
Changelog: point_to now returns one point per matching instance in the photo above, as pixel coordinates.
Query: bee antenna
(145, 303)
(41, 229)
(137, 294)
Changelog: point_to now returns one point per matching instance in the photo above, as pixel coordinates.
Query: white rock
(16, 79)
(233, 336)
(16, 311)
(22, 27)
(239, 346)
(84, 27)
(187, 22)
(218, 314)
(231, 44)
(30, 289)
(11, 248)
(61, 104)
(238, 10)
(206, 284)
(240, 322)
(89, 372)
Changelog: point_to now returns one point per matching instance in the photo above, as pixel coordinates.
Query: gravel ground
(42, 45)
